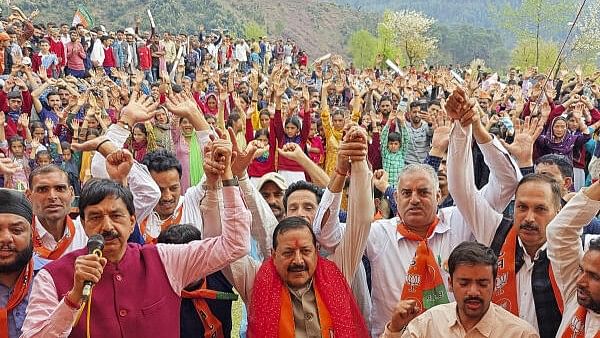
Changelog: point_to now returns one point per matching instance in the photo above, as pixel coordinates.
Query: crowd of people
(334, 201)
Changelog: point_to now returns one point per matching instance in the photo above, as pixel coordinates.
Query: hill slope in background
(471, 12)
(318, 27)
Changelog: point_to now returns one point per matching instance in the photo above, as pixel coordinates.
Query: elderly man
(125, 272)
(16, 265)
(421, 233)
(577, 272)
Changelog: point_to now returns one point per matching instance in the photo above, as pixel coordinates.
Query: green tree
(363, 48)
(386, 43)
(527, 54)
(254, 30)
(535, 20)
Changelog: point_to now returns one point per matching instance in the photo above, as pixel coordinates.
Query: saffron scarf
(424, 281)
(16, 297)
(576, 328)
(336, 305)
(212, 326)
(505, 293)
(196, 169)
(148, 239)
(62, 244)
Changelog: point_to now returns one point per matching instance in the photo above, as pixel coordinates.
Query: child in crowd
(314, 144)
(393, 146)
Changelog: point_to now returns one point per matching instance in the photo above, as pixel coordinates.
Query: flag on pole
(83, 16)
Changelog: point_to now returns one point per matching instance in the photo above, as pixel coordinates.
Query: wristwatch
(231, 182)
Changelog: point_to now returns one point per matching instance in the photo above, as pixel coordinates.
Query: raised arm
(184, 263)
(294, 152)
(563, 234)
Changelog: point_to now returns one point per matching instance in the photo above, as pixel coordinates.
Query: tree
(252, 30)
(412, 33)
(535, 20)
(463, 43)
(363, 48)
(586, 44)
(386, 43)
(527, 54)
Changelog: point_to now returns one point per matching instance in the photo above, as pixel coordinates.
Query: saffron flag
(83, 16)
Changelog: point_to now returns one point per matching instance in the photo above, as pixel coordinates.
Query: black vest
(191, 325)
(546, 305)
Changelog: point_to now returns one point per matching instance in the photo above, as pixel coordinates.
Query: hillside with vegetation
(318, 27)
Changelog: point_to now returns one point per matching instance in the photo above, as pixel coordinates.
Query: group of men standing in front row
(462, 271)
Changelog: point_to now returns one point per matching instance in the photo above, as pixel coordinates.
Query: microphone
(95, 245)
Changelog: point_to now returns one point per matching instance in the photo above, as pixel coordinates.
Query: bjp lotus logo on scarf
(577, 325)
(413, 281)
(501, 282)
(505, 303)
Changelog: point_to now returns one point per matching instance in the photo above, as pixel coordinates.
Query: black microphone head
(95, 242)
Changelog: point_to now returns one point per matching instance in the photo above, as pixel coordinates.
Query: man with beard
(526, 283)
(16, 266)
(420, 133)
(577, 271)
(472, 268)
(272, 187)
(53, 109)
(123, 305)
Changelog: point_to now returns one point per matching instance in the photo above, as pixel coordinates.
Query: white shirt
(97, 54)
(48, 241)
(565, 252)
(390, 254)
(524, 290)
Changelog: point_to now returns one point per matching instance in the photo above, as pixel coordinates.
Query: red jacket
(145, 58)
(57, 47)
(109, 59)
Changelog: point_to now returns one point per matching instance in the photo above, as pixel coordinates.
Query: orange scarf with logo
(576, 328)
(16, 297)
(61, 246)
(505, 293)
(164, 225)
(271, 313)
(424, 281)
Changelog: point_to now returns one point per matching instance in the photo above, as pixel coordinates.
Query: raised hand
(140, 108)
(54, 139)
(243, 157)
(292, 151)
(49, 125)
(526, 132)
(35, 143)
(404, 312)
(118, 165)
(7, 166)
(458, 104)
(182, 105)
(24, 120)
(381, 180)
(441, 133)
